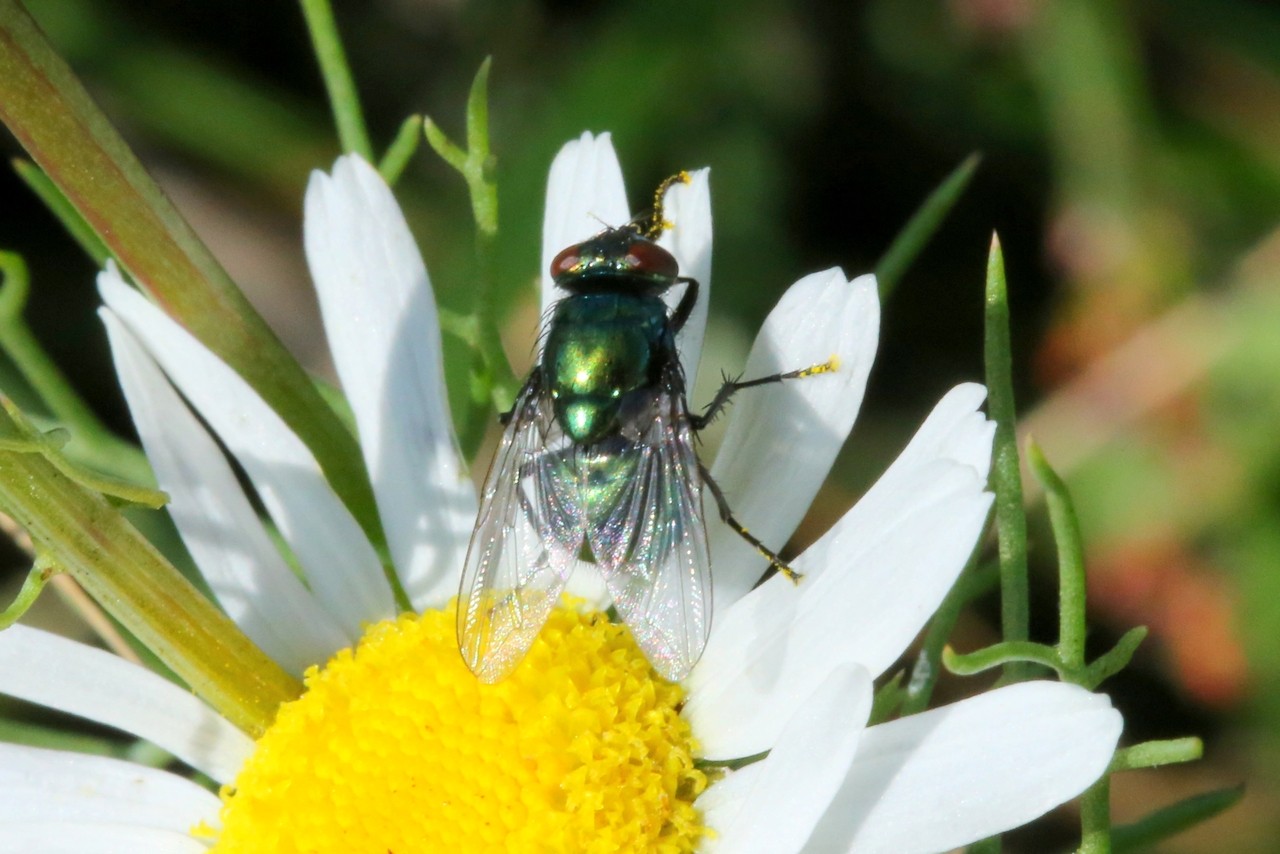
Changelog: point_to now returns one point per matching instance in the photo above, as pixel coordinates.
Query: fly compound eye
(566, 261)
(647, 257)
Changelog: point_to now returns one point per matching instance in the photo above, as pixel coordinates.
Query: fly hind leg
(730, 387)
(726, 514)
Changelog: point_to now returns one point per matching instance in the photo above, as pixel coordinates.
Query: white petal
(870, 584)
(585, 195)
(341, 566)
(955, 430)
(96, 837)
(43, 668)
(804, 769)
(789, 640)
(217, 523)
(722, 802)
(380, 318)
(55, 785)
(782, 438)
(954, 775)
(688, 208)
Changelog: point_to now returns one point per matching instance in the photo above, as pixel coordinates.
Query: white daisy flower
(397, 747)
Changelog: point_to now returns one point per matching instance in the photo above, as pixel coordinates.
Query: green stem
(81, 533)
(1095, 818)
(1071, 571)
(1011, 522)
(338, 81)
(53, 117)
(990, 845)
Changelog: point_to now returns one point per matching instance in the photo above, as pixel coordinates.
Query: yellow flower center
(396, 747)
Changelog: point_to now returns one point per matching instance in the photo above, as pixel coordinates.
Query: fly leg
(730, 387)
(729, 519)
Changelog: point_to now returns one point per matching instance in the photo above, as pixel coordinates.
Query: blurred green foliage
(1131, 163)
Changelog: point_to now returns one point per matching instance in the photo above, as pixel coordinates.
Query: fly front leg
(730, 387)
(726, 514)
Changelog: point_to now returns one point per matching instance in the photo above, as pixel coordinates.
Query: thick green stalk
(81, 533)
(51, 114)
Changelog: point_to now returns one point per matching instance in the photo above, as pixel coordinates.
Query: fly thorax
(592, 370)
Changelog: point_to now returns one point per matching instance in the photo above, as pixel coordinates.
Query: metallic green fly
(598, 457)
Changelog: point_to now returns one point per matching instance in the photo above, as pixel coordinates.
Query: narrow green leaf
(1006, 478)
(33, 176)
(1113, 660)
(480, 167)
(1006, 652)
(36, 579)
(1071, 577)
(441, 144)
(888, 699)
(924, 223)
(401, 150)
(730, 764)
(1151, 754)
(1172, 820)
(990, 845)
(338, 81)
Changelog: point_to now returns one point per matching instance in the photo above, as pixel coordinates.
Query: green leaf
(1006, 476)
(1151, 754)
(1174, 819)
(1071, 577)
(888, 699)
(924, 223)
(37, 578)
(1006, 652)
(401, 150)
(1115, 659)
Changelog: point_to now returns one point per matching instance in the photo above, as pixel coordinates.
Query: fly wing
(649, 540)
(526, 541)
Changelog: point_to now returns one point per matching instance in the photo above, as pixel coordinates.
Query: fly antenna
(658, 222)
